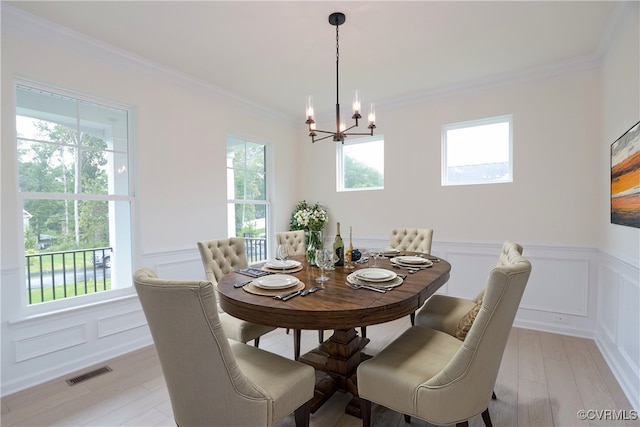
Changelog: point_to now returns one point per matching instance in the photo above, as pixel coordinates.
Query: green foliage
(248, 161)
(359, 175)
(47, 294)
(50, 167)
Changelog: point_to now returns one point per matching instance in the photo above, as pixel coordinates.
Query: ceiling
(276, 53)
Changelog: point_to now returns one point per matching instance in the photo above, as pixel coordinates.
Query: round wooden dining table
(339, 308)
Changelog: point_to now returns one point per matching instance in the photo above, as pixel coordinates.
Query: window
(247, 206)
(75, 192)
(477, 152)
(360, 164)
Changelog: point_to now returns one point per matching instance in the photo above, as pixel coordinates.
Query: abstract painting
(625, 178)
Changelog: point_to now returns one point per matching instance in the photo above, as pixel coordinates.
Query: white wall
(618, 327)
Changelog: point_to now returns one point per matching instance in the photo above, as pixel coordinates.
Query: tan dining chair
(214, 381)
(444, 312)
(294, 239)
(297, 244)
(219, 257)
(411, 240)
(436, 377)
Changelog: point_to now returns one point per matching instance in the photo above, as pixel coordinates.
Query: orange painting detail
(625, 178)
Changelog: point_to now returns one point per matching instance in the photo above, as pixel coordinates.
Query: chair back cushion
(509, 248)
(295, 240)
(411, 239)
(205, 384)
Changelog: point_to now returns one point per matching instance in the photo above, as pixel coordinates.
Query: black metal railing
(64, 274)
(256, 248)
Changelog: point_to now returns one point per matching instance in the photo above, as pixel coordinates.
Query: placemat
(279, 270)
(253, 289)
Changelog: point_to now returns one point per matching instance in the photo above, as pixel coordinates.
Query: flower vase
(314, 242)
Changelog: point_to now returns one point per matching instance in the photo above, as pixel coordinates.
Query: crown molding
(23, 24)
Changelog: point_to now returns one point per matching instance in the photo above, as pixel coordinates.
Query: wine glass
(282, 253)
(375, 253)
(324, 257)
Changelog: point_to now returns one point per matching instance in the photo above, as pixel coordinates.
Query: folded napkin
(253, 272)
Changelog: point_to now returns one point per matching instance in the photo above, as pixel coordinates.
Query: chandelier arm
(358, 133)
(324, 137)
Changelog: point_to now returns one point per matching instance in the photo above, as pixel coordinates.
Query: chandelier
(341, 131)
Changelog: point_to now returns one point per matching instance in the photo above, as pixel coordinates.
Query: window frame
(231, 203)
(507, 118)
(340, 171)
(125, 234)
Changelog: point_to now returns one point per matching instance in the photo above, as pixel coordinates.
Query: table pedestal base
(336, 361)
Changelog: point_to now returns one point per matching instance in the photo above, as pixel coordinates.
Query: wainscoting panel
(38, 345)
(558, 286)
(617, 331)
(122, 322)
(629, 330)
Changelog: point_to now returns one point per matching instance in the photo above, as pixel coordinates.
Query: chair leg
(493, 396)
(407, 419)
(365, 411)
(363, 330)
(256, 342)
(320, 336)
(297, 334)
(463, 424)
(487, 418)
(302, 415)
(412, 316)
(287, 331)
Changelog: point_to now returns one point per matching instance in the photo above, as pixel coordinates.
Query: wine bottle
(348, 255)
(338, 248)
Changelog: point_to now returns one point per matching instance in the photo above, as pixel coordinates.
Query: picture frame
(625, 178)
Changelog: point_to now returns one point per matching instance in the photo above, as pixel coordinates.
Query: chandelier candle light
(341, 131)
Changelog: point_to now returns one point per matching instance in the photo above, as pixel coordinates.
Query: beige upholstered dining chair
(213, 380)
(436, 377)
(444, 312)
(295, 240)
(411, 239)
(297, 245)
(219, 257)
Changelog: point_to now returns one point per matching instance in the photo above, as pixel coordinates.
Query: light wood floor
(544, 380)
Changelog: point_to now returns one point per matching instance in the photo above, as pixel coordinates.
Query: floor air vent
(88, 375)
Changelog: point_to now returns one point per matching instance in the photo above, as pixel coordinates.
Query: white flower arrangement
(309, 217)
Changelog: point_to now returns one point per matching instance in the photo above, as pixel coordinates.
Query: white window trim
(83, 301)
(479, 122)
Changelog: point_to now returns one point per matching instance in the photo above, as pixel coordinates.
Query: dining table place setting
(411, 263)
(282, 266)
(374, 279)
(279, 286)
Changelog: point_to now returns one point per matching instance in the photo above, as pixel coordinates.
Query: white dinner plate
(425, 264)
(290, 263)
(396, 281)
(411, 260)
(276, 281)
(391, 251)
(375, 274)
